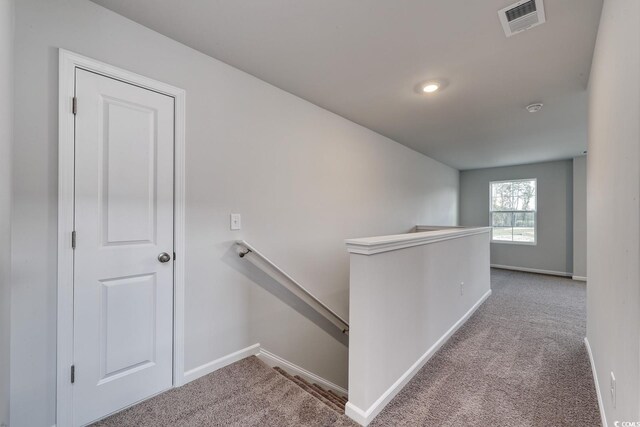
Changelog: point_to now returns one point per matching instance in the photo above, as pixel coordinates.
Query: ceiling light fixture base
(535, 107)
(431, 86)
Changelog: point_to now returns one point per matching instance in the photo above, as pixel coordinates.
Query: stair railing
(248, 252)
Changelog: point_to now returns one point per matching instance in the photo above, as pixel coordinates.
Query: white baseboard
(267, 357)
(214, 365)
(532, 270)
(293, 369)
(595, 380)
(364, 417)
(580, 278)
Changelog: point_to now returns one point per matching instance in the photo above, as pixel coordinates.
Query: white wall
(580, 216)
(6, 125)
(304, 180)
(553, 251)
(613, 208)
(405, 301)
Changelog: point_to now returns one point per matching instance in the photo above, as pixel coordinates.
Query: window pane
(524, 227)
(524, 219)
(525, 193)
(513, 206)
(502, 196)
(513, 196)
(502, 219)
(502, 223)
(502, 233)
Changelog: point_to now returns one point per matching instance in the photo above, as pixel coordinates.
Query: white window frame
(535, 213)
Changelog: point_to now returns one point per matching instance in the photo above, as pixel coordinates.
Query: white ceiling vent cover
(521, 16)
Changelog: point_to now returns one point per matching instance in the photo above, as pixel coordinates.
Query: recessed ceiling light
(430, 87)
(534, 108)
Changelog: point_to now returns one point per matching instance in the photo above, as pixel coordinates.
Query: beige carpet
(246, 393)
(519, 361)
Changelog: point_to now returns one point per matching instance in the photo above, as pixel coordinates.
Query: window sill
(507, 242)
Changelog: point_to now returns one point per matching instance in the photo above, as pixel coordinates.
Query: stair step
(305, 386)
(317, 395)
(327, 395)
(329, 398)
(342, 399)
(322, 392)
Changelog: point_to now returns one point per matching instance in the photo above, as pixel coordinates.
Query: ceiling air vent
(521, 16)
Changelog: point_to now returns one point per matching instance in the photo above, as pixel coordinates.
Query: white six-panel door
(123, 292)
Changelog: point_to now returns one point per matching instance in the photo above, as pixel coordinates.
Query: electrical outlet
(461, 288)
(236, 221)
(613, 389)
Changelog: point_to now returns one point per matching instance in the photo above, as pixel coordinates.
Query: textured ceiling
(363, 58)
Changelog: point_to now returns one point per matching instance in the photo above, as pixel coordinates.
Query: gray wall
(6, 125)
(553, 251)
(580, 216)
(613, 209)
(303, 179)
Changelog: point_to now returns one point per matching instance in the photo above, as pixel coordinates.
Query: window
(513, 211)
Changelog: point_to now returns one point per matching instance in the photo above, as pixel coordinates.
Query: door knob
(164, 257)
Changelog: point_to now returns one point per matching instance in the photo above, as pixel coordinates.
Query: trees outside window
(513, 211)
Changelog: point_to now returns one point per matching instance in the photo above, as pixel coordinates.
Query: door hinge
(174, 256)
(74, 105)
(73, 239)
(73, 374)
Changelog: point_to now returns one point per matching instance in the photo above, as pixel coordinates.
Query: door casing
(68, 63)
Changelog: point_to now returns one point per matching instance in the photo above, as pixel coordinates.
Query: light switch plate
(236, 221)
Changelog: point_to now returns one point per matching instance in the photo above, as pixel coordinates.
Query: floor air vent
(521, 16)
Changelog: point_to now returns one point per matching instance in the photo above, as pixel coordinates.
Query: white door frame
(69, 61)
